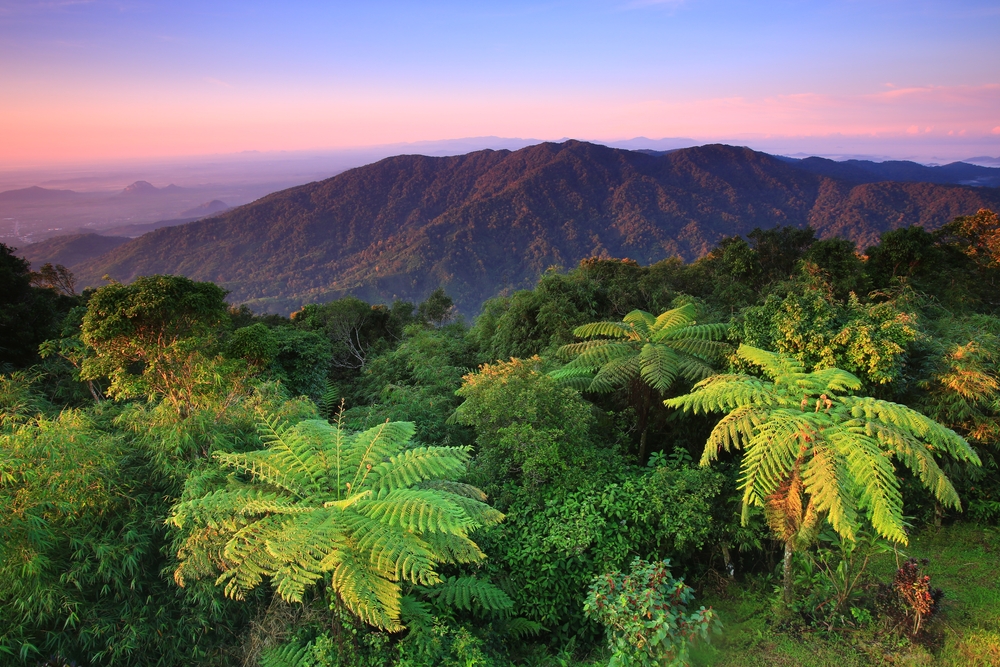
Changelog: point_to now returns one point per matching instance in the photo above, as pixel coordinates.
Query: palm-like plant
(813, 451)
(365, 511)
(643, 349)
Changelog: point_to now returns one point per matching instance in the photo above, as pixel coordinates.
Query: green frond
(642, 321)
(674, 319)
(373, 446)
(827, 481)
(575, 349)
(693, 332)
(519, 627)
(609, 329)
(771, 453)
(264, 467)
(220, 507)
(418, 510)
(773, 364)
(292, 654)
(874, 480)
(836, 380)
(657, 366)
(416, 465)
(707, 349)
(615, 374)
(458, 549)
(693, 368)
(726, 392)
(467, 593)
(371, 598)
(597, 356)
(732, 432)
(938, 437)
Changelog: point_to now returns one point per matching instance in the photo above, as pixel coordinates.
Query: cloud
(217, 82)
(996, 130)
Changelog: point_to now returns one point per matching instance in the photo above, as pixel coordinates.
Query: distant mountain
(144, 188)
(208, 208)
(140, 188)
(866, 171)
(984, 160)
(69, 250)
(489, 220)
(37, 195)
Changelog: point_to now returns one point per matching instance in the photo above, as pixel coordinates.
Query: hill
(866, 171)
(69, 250)
(489, 220)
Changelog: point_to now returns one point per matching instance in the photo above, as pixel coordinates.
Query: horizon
(91, 82)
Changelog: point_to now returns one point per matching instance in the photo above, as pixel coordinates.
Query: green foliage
(552, 545)
(81, 543)
(871, 340)
(529, 430)
(415, 381)
(153, 337)
(363, 511)
(530, 322)
(645, 613)
(832, 575)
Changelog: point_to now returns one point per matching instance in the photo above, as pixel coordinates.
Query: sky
(97, 80)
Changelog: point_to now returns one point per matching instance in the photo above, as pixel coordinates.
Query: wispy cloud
(217, 82)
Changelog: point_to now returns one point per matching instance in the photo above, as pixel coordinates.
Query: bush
(645, 613)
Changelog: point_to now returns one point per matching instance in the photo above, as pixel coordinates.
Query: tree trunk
(643, 446)
(787, 567)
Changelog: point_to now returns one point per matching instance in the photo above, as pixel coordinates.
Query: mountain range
(489, 220)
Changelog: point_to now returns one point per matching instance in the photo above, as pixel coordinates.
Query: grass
(964, 561)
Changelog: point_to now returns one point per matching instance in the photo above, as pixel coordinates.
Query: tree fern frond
(732, 432)
(642, 322)
(292, 654)
(597, 356)
(674, 319)
(657, 366)
(417, 465)
(467, 593)
(371, 447)
(615, 374)
(609, 329)
(417, 510)
(773, 364)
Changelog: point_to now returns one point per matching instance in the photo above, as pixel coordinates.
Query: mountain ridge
(478, 222)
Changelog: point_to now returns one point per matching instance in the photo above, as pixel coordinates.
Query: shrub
(645, 614)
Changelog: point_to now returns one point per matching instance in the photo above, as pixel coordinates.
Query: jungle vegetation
(626, 464)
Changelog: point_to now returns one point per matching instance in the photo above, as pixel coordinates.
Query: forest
(785, 452)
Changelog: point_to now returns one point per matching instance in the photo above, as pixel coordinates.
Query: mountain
(208, 208)
(489, 220)
(69, 250)
(37, 195)
(866, 171)
(144, 188)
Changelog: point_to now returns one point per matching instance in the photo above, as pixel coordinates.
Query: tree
(812, 450)
(364, 511)
(153, 337)
(642, 352)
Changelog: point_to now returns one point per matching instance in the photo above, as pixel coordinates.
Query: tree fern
(813, 451)
(364, 511)
(653, 351)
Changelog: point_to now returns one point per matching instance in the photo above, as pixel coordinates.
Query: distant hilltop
(146, 188)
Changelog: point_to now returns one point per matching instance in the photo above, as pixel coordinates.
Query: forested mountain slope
(480, 222)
